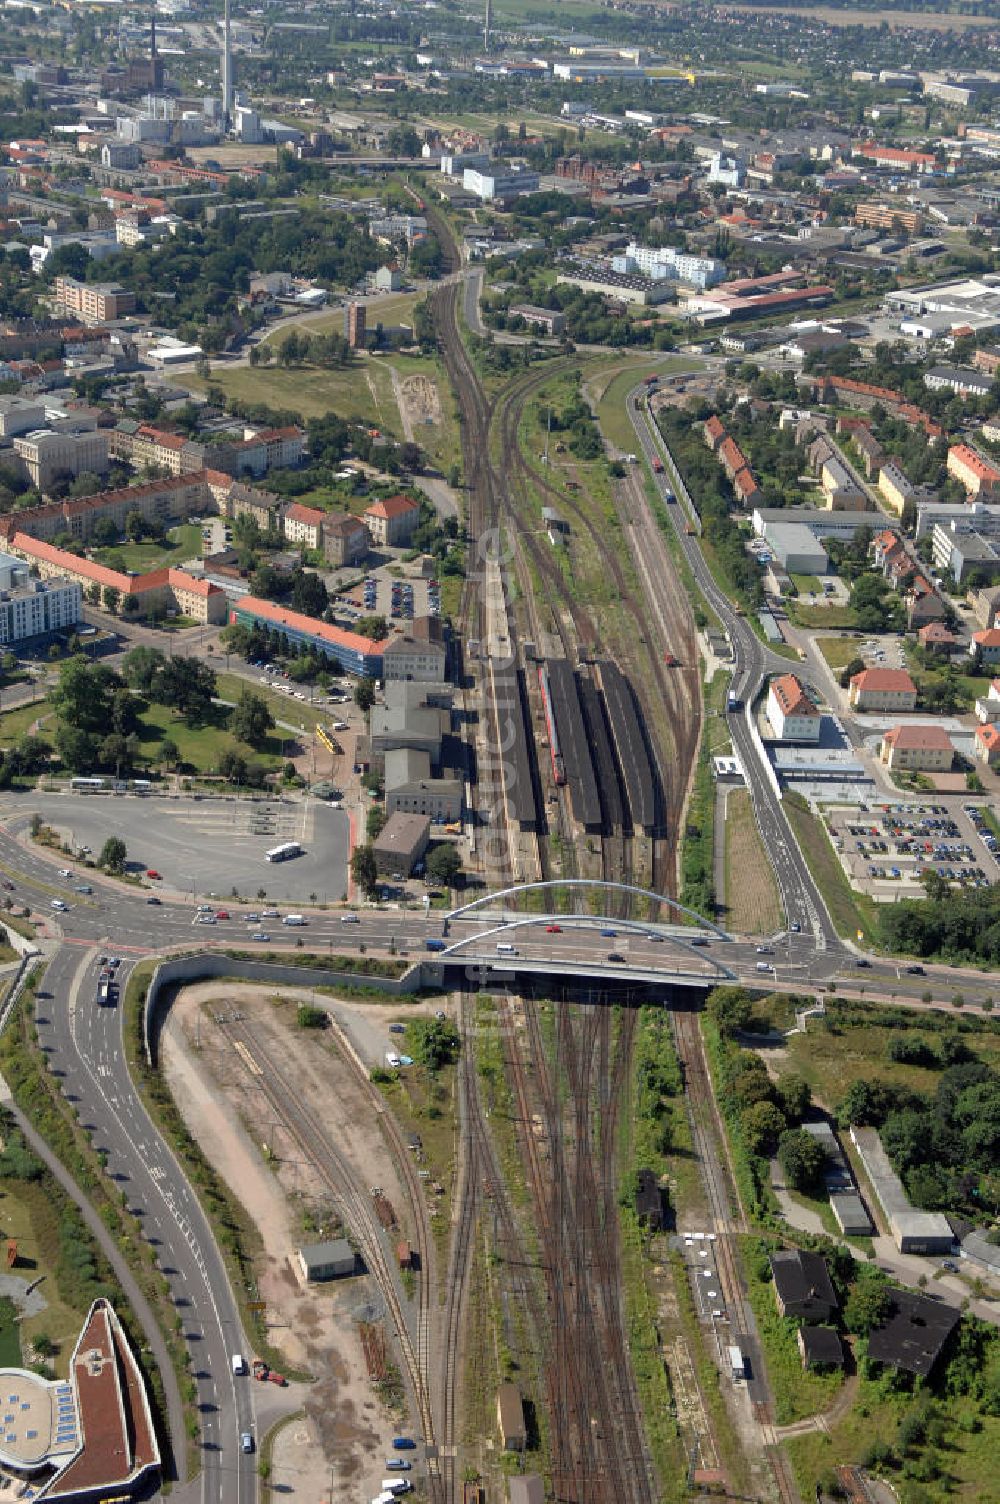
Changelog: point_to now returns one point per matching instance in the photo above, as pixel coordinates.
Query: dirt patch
(752, 903)
(345, 1429)
(422, 398)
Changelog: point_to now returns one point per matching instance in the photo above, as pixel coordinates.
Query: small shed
(649, 1201)
(510, 1418)
(820, 1345)
(334, 1259)
(404, 1255)
(527, 1489)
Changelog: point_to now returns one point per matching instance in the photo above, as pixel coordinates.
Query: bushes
(697, 854)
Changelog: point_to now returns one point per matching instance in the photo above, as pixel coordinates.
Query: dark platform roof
(574, 744)
(630, 746)
(514, 734)
(603, 757)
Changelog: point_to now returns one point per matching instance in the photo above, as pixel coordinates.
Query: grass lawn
(395, 308)
(807, 585)
(611, 414)
(752, 903)
(440, 438)
(283, 707)
(15, 724)
(838, 651)
(27, 1216)
(308, 391)
(200, 746)
(181, 543)
(804, 615)
(850, 911)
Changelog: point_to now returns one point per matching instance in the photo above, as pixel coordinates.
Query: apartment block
(93, 302)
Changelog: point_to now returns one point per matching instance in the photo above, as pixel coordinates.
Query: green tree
(363, 868)
(187, 686)
(111, 596)
(141, 666)
(135, 526)
(251, 719)
(105, 533)
(802, 1160)
(433, 1042)
(444, 863)
(113, 855)
(867, 1306)
(762, 1125)
(168, 753)
(364, 694)
(233, 766)
(730, 1009)
(793, 1097)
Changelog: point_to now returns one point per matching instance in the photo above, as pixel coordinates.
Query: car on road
(246, 1441)
(261, 935)
(795, 927)
(154, 901)
(609, 934)
(82, 888)
(915, 971)
(57, 903)
(397, 1465)
(392, 1060)
(222, 913)
(204, 919)
(350, 919)
(616, 955)
(397, 1028)
(152, 872)
(269, 914)
(553, 929)
(251, 918)
(862, 961)
(65, 872)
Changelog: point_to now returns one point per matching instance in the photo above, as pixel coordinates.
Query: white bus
(87, 785)
(284, 853)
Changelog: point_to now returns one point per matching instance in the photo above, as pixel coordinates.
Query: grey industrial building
(331, 1260)
(822, 524)
(410, 789)
(913, 1231)
(958, 548)
(796, 548)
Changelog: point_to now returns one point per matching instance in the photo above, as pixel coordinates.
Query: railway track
(307, 1130)
(728, 1218)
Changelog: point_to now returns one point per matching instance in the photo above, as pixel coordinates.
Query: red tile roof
(309, 515)
(744, 482)
(392, 506)
(890, 679)
(714, 427)
(989, 736)
(990, 638)
(919, 738)
(278, 616)
(974, 462)
(791, 697)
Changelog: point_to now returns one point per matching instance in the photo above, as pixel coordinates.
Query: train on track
(555, 751)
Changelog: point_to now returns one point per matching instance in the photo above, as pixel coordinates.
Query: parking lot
(886, 849)
(385, 592)
(212, 846)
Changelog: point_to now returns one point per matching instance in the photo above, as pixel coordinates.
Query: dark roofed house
(820, 1345)
(649, 1201)
(914, 1334)
(802, 1285)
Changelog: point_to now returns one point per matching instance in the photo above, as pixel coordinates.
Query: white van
(239, 1364)
(504, 949)
(764, 966)
(294, 920)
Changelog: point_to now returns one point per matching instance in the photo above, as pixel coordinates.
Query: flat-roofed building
(410, 789)
(913, 1231)
(401, 844)
(46, 455)
(510, 1418)
(334, 1259)
(93, 302)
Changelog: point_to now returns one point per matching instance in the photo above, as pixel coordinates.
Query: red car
(222, 914)
(553, 929)
(152, 872)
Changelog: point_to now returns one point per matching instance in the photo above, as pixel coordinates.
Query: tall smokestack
(227, 72)
(486, 28)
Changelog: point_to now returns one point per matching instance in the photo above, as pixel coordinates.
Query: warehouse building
(796, 548)
(913, 1231)
(333, 1259)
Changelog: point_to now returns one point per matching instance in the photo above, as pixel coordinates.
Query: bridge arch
(516, 889)
(568, 922)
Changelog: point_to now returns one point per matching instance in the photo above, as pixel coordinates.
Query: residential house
(923, 605)
(346, 539)
(714, 432)
(985, 646)
(802, 1285)
(871, 451)
(792, 714)
(304, 525)
(987, 744)
(917, 749)
(883, 689)
(988, 708)
(895, 487)
(935, 638)
(979, 478)
(393, 522)
(840, 490)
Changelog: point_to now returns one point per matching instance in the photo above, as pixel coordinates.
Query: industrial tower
(486, 28)
(227, 73)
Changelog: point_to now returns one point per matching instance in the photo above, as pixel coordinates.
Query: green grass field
(850, 911)
(306, 390)
(393, 309)
(201, 746)
(181, 543)
(15, 724)
(838, 651)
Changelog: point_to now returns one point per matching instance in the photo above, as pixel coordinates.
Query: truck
(104, 991)
(658, 465)
(732, 701)
(295, 921)
(434, 945)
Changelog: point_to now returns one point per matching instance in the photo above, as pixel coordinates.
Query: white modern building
(666, 263)
(35, 608)
(499, 183)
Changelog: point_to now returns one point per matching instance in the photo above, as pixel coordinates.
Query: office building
(46, 456)
(917, 749)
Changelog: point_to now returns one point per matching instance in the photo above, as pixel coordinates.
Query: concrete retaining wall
(212, 964)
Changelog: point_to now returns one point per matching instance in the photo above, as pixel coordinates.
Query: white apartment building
(35, 608)
(499, 183)
(666, 263)
(791, 713)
